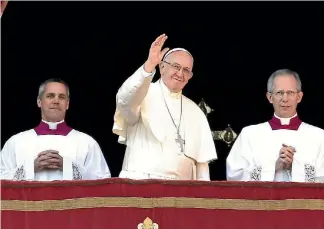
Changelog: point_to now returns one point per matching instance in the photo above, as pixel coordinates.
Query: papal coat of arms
(147, 224)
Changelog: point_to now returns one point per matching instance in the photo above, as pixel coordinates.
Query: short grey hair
(281, 72)
(41, 89)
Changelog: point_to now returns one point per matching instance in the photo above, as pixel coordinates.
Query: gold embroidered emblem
(147, 224)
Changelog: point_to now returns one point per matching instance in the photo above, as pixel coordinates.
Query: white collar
(285, 121)
(167, 91)
(52, 125)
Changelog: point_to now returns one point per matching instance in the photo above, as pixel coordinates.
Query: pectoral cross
(180, 141)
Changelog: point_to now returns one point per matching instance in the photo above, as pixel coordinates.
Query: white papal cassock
(144, 124)
(256, 150)
(82, 156)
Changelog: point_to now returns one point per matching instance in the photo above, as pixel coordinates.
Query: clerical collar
(51, 128)
(169, 93)
(278, 123)
(284, 121)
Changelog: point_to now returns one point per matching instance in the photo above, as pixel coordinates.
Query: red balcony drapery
(123, 204)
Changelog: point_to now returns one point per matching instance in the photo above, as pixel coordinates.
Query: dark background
(95, 46)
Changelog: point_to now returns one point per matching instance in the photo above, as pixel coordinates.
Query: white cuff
(147, 74)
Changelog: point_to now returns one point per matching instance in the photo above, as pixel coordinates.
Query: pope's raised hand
(156, 53)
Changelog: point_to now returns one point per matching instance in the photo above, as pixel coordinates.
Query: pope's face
(176, 70)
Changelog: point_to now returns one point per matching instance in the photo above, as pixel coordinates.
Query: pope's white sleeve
(132, 93)
(207, 151)
(203, 171)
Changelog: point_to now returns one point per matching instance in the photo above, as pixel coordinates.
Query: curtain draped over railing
(125, 204)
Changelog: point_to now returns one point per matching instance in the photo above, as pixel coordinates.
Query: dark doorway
(95, 46)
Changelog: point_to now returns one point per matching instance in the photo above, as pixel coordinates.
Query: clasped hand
(48, 159)
(285, 158)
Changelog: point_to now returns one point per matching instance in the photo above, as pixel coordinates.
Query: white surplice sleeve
(239, 163)
(10, 170)
(94, 167)
(319, 165)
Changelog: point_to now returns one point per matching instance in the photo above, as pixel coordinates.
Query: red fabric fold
(128, 217)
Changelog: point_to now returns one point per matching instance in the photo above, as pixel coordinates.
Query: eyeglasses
(177, 67)
(280, 94)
